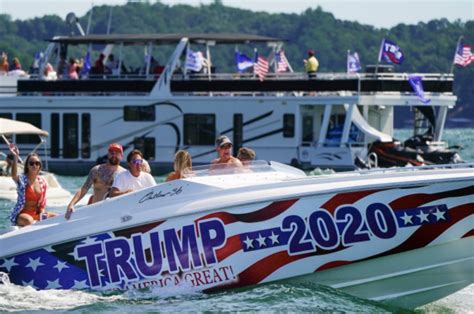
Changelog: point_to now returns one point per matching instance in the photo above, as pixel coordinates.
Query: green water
(277, 297)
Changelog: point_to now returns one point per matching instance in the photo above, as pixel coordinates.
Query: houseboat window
(238, 132)
(70, 135)
(199, 129)
(54, 136)
(139, 113)
(86, 136)
(6, 115)
(307, 128)
(146, 145)
(33, 118)
(288, 125)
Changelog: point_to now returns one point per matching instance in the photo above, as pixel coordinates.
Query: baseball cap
(116, 147)
(222, 140)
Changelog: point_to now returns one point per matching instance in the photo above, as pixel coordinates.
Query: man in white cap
(224, 150)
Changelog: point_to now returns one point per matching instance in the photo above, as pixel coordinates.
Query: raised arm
(16, 153)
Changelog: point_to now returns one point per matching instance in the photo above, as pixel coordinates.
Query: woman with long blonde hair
(182, 160)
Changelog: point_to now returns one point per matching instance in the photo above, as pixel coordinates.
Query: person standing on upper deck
(312, 64)
(224, 150)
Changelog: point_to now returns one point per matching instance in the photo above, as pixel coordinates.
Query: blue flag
(243, 62)
(87, 64)
(416, 83)
(391, 52)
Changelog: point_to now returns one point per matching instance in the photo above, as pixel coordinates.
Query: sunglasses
(137, 161)
(34, 163)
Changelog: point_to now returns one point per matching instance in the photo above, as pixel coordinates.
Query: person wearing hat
(224, 150)
(312, 64)
(100, 177)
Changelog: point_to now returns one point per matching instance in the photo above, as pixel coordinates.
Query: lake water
(272, 297)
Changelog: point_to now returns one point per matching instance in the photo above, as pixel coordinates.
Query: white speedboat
(401, 235)
(56, 194)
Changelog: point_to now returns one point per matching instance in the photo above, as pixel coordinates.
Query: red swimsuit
(31, 195)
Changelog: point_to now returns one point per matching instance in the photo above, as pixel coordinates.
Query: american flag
(463, 55)
(282, 62)
(261, 68)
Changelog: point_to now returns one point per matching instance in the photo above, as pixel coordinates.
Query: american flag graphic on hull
(253, 243)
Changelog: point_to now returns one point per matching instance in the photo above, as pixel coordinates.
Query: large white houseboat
(333, 120)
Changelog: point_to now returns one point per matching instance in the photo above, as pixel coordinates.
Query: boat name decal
(148, 255)
(152, 195)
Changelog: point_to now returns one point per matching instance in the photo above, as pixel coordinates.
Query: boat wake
(25, 298)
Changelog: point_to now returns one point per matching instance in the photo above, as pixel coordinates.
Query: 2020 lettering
(347, 227)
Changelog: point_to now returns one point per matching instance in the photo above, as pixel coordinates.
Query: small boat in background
(402, 236)
(56, 194)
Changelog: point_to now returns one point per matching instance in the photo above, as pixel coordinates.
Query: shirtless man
(224, 150)
(100, 177)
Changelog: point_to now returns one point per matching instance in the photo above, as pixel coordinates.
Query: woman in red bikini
(31, 187)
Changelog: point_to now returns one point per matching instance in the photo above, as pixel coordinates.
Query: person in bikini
(182, 161)
(31, 188)
(100, 177)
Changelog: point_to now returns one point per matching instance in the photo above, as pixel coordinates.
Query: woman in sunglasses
(31, 188)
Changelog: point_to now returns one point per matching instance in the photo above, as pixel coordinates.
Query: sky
(379, 13)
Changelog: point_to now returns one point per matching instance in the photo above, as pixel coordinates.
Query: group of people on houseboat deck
(107, 180)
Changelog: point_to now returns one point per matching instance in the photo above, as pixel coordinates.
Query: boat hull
(407, 243)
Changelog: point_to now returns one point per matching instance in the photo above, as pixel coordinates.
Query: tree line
(428, 47)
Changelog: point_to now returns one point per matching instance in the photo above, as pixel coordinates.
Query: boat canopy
(8, 126)
(170, 38)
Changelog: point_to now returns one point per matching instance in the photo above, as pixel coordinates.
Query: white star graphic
(423, 216)
(80, 284)
(53, 284)
(88, 241)
(407, 219)
(60, 265)
(9, 263)
(439, 215)
(249, 243)
(274, 238)
(34, 263)
(49, 249)
(28, 283)
(261, 240)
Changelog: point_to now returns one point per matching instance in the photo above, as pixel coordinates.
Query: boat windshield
(223, 169)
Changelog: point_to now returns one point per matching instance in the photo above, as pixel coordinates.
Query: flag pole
(347, 60)
(379, 58)
(455, 51)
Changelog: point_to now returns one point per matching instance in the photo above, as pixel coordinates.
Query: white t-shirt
(126, 181)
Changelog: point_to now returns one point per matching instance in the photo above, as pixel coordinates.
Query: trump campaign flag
(390, 52)
(194, 61)
(353, 62)
(243, 62)
(463, 55)
(416, 82)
